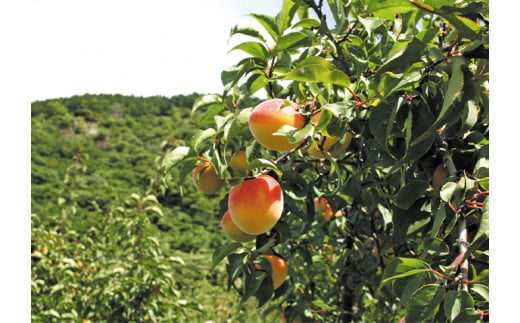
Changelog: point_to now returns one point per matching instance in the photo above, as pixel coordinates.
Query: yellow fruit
(238, 163)
(327, 142)
(256, 204)
(206, 179)
(279, 269)
(232, 231)
(268, 117)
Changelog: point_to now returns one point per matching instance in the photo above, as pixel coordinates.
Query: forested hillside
(117, 141)
(110, 238)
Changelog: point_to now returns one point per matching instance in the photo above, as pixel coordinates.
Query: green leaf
(234, 266)
(253, 48)
(201, 137)
(455, 303)
(370, 24)
(453, 92)
(424, 303)
(317, 69)
(337, 8)
(483, 229)
(172, 158)
(481, 290)
(484, 183)
(307, 23)
(448, 190)
(413, 284)
(482, 234)
(410, 193)
(324, 306)
(405, 274)
(434, 247)
(205, 109)
(391, 82)
(222, 252)
(239, 125)
(404, 54)
(261, 163)
(388, 9)
(265, 291)
(253, 281)
(400, 266)
(286, 14)
(294, 134)
(248, 31)
(205, 101)
(269, 24)
(291, 41)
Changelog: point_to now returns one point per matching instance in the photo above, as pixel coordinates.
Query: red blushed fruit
(256, 204)
(232, 231)
(322, 206)
(268, 117)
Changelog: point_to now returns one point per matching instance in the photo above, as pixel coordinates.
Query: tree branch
(447, 160)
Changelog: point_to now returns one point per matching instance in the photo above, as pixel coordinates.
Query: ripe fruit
(238, 163)
(279, 269)
(206, 179)
(269, 116)
(323, 207)
(256, 204)
(440, 173)
(232, 231)
(327, 142)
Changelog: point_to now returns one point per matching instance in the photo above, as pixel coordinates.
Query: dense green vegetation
(110, 239)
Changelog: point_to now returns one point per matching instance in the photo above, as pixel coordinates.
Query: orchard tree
(362, 192)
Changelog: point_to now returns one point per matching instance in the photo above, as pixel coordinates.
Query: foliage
(409, 80)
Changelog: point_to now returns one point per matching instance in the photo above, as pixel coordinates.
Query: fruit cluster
(256, 204)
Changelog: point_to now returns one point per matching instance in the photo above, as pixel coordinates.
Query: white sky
(142, 48)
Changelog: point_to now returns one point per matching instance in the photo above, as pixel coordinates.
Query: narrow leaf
(269, 24)
(248, 31)
(453, 92)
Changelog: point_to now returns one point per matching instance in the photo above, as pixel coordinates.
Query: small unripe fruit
(206, 179)
(238, 164)
(256, 204)
(440, 173)
(327, 142)
(232, 231)
(279, 269)
(268, 117)
(323, 207)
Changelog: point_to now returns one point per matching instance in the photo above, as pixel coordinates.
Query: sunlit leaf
(318, 69)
